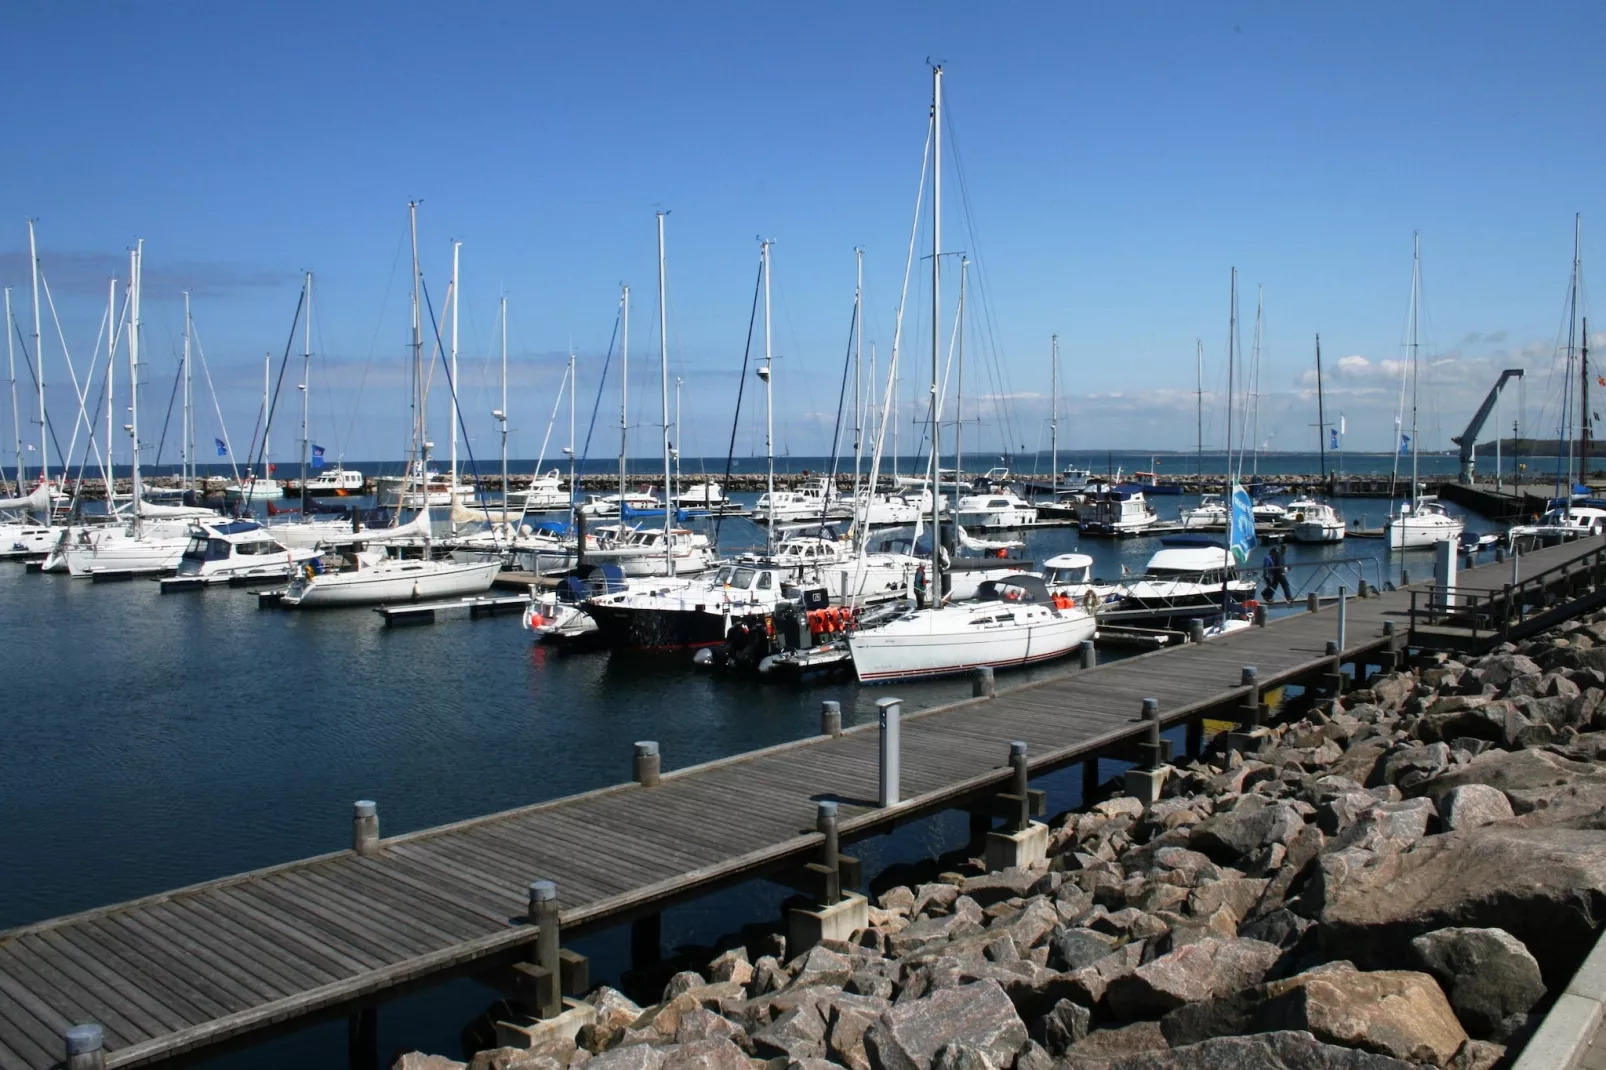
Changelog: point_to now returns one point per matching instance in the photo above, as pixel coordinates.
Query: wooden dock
(175, 972)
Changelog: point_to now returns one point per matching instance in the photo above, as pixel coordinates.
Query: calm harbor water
(154, 741)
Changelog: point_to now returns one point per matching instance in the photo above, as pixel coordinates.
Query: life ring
(1090, 602)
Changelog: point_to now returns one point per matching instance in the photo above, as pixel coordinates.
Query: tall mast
(39, 361)
(501, 414)
(1054, 420)
(306, 393)
(769, 400)
(113, 322)
(571, 450)
(663, 384)
(1198, 397)
(1321, 415)
(936, 327)
(184, 433)
(1232, 352)
(959, 392)
(1583, 405)
(624, 392)
(679, 445)
(456, 301)
(1572, 338)
(1416, 284)
(858, 354)
(138, 256)
(418, 378)
(16, 413)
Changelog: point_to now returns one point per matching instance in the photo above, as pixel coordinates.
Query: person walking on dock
(1276, 574)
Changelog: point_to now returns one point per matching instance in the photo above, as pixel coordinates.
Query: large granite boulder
(1398, 1013)
(1254, 822)
(1285, 1050)
(1487, 973)
(1472, 806)
(1531, 780)
(1195, 971)
(908, 1036)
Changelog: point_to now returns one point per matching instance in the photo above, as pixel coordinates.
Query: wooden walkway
(177, 971)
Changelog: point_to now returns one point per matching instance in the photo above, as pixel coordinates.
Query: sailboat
(1316, 521)
(369, 575)
(259, 488)
(1422, 521)
(1015, 620)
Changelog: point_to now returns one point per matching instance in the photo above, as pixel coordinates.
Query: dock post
(1405, 578)
(1090, 780)
(1195, 742)
(1090, 654)
(1335, 677)
(1499, 554)
(1388, 660)
(1312, 602)
(648, 763)
(365, 827)
(1247, 736)
(1145, 782)
(891, 711)
(1343, 600)
(831, 718)
(86, 1047)
(1444, 570)
(1022, 841)
(1196, 631)
(544, 913)
(838, 914)
(1363, 589)
(646, 941)
(1260, 616)
(1020, 786)
(362, 1039)
(982, 684)
(825, 822)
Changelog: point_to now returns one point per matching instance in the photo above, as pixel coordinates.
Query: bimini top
(1016, 587)
(1068, 561)
(1190, 559)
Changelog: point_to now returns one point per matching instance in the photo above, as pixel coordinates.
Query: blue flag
(1334, 433)
(1405, 443)
(222, 447)
(317, 456)
(1241, 528)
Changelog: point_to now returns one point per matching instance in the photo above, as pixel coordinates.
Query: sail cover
(37, 502)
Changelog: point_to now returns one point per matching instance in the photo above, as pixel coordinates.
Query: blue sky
(1117, 161)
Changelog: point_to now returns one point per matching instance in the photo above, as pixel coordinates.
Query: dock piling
(982, 684)
(1090, 654)
(1313, 602)
(1020, 787)
(831, 718)
(1153, 745)
(648, 763)
(1196, 630)
(891, 711)
(86, 1047)
(548, 1002)
(825, 822)
(1260, 616)
(365, 827)
(1343, 600)
(1145, 782)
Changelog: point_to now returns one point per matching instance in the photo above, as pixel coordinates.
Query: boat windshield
(743, 578)
(1188, 574)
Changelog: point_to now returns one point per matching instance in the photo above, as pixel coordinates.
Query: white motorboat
(224, 550)
(1071, 576)
(1270, 513)
(1014, 621)
(337, 482)
(667, 616)
(1181, 583)
(813, 500)
(1571, 520)
(371, 576)
(1316, 521)
(1209, 514)
(1423, 522)
(707, 495)
(607, 505)
(421, 486)
(995, 510)
(641, 552)
(886, 510)
(254, 489)
(1117, 512)
(546, 493)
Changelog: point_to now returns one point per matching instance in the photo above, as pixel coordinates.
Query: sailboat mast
(624, 392)
(936, 327)
(502, 413)
(1565, 440)
(418, 378)
(452, 392)
(1232, 351)
(185, 442)
(114, 323)
(306, 394)
(1321, 416)
(769, 400)
(16, 412)
(1583, 405)
(571, 451)
(959, 391)
(1416, 284)
(858, 374)
(663, 383)
(678, 446)
(1198, 397)
(1054, 419)
(39, 361)
(138, 256)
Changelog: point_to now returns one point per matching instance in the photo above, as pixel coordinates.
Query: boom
(1468, 439)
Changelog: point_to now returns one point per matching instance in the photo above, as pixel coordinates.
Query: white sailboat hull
(27, 540)
(1318, 531)
(1408, 532)
(398, 581)
(925, 646)
(114, 552)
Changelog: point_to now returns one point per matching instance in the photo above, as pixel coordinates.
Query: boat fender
(1090, 602)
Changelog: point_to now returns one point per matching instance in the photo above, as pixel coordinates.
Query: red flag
(273, 468)
(1601, 379)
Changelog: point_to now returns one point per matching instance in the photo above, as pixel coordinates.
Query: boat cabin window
(765, 581)
(1192, 575)
(196, 550)
(742, 578)
(998, 503)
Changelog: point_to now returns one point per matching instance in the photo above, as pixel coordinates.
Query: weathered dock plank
(176, 971)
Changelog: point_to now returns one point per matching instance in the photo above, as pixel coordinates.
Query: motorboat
(1563, 521)
(993, 510)
(1071, 576)
(886, 510)
(1209, 515)
(337, 482)
(1315, 521)
(370, 576)
(607, 505)
(670, 616)
(642, 552)
(309, 531)
(812, 500)
(545, 494)
(1117, 512)
(706, 495)
(1423, 522)
(1014, 621)
(223, 550)
(1270, 514)
(254, 489)
(558, 614)
(422, 486)
(1074, 480)
(1185, 582)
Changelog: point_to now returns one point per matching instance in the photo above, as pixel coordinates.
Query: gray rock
(1281, 927)
(1252, 823)
(417, 1060)
(1415, 764)
(1472, 806)
(1193, 972)
(1108, 1043)
(1487, 974)
(845, 1028)
(1239, 895)
(1397, 1013)
(1064, 1025)
(630, 1057)
(1502, 669)
(1478, 1055)
(928, 931)
(797, 1034)
(1266, 1051)
(908, 1036)
(731, 966)
(1389, 826)
(713, 1054)
(684, 981)
(819, 966)
(1339, 811)
(1011, 883)
(704, 1024)
(1192, 865)
(1531, 780)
